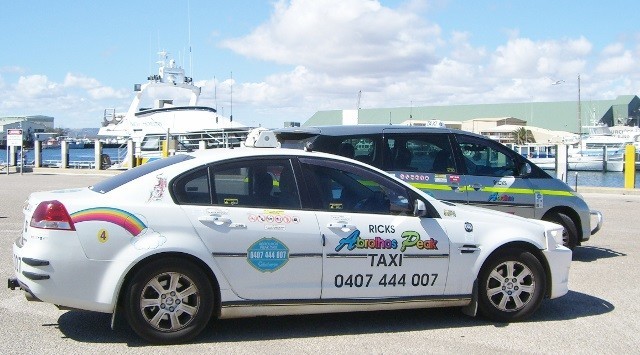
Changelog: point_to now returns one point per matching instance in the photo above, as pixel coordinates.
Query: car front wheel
(169, 301)
(511, 286)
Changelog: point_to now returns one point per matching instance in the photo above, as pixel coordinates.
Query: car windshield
(129, 175)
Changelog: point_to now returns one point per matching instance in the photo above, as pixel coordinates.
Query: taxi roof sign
(261, 138)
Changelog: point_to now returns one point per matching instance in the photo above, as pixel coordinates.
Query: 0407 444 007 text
(385, 280)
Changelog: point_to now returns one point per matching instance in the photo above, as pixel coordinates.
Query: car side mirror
(419, 208)
(525, 169)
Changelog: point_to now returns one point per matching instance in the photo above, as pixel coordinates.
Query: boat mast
(579, 114)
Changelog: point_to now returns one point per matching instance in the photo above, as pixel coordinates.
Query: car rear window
(132, 174)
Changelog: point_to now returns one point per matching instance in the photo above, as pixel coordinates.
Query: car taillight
(51, 215)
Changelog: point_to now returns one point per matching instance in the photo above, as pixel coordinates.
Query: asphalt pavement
(598, 315)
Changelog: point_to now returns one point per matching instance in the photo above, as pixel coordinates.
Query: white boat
(588, 153)
(167, 107)
(585, 154)
(51, 143)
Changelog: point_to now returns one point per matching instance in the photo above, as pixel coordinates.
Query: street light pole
(579, 111)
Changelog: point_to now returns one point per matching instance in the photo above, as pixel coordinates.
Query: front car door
(493, 178)
(374, 247)
(248, 214)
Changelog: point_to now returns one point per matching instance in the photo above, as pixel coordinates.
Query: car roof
(347, 130)
(214, 155)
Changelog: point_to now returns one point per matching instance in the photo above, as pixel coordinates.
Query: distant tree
(523, 136)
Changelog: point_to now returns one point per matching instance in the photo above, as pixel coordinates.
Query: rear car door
(493, 178)
(374, 247)
(248, 214)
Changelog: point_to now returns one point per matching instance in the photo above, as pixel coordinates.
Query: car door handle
(215, 219)
(476, 187)
(345, 227)
(455, 187)
(468, 249)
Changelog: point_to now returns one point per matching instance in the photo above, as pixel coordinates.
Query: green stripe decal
(423, 186)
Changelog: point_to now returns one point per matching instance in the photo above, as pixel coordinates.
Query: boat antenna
(231, 109)
(215, 96)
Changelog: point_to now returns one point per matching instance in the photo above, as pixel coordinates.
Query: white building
(30, 125)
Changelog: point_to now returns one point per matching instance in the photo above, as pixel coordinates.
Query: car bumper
(59, 273)
(559, 261)
(597, 215)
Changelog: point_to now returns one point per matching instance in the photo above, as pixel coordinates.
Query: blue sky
(289, 59)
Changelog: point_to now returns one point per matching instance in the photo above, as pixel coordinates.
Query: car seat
(262, 188)
(442, 162)
(288, 190)
(346, 150)
(403, 158)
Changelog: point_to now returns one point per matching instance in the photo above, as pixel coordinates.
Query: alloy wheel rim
(169, 301)
(510, 286)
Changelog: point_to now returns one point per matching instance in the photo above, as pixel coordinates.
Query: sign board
(14, 138)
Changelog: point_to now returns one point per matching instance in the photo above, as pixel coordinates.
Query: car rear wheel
(169, 301)
(511, 286)
(570, 237)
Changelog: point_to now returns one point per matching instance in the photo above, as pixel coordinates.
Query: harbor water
(75, 155)
(579, 178)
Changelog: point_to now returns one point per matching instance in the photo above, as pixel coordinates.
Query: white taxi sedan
(268, 231)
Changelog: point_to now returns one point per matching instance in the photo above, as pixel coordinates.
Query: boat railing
(191, 141)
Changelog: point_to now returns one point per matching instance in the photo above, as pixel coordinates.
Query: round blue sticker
(268, 254)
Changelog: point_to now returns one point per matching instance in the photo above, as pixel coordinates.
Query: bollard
(165, 148)
(629, 166)
(562, 165)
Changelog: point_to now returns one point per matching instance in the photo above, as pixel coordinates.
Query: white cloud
(341, 36)
(618, 64)
(613, 49)
(93, 88)
(396, 57)
(528, 58)
(36, 86)
(72, 80)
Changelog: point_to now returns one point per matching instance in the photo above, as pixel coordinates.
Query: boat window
(151, 143)
(132, 174)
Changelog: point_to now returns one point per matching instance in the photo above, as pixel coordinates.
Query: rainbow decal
(116, 216)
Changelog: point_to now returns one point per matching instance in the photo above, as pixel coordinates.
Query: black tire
(570, 237)
(511, 286)
(169, 301)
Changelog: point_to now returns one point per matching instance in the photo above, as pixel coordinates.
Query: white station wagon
(258, 231)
